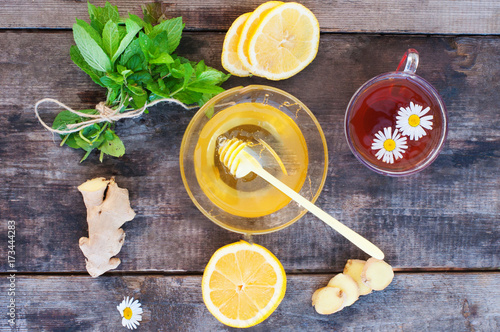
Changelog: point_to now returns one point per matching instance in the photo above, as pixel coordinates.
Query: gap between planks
(190, 30)
(188, 274)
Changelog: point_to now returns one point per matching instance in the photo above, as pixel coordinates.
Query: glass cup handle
(409, 61)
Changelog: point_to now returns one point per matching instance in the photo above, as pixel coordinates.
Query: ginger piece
(94, 191)
(377, 274)
(348, 286)
(353, 268)
(105, 216)
(328, 300)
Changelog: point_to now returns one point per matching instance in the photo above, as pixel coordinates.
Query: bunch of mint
(134, 60)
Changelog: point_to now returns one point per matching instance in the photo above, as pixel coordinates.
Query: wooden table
(439, 228)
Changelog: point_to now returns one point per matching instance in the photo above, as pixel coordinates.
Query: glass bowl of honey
(288, 140)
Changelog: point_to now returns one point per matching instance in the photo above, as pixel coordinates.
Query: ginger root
(348, 286)
(328, 300)
(359, 278)
(377, 274)
(105, 216)
(353, 268)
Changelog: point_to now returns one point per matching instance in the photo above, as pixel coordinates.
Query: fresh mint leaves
(89, 43)
(134, 60)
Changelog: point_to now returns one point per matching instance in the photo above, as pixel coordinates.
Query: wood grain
(445, 217)
(413, 302)
(381, 16)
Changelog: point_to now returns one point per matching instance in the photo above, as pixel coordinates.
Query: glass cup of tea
(396, 123)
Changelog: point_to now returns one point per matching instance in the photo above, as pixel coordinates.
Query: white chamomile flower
(390, 146)
(131, 312)
(411, 121)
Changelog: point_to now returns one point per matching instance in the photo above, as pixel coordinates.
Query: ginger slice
(377, 274)
(348, 286)
(328, 300)
(353, 268)
(105, 216)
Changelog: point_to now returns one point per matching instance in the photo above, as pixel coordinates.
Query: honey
(267, 129)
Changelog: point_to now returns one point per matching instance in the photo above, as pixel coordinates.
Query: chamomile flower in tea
(413, 121)
(390, 145)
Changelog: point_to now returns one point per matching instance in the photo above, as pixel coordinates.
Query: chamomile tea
(403, 106)
(396, 124)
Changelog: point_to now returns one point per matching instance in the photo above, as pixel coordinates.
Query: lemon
(229, 58)
(285, 41)
(249, 28)
(243, 284)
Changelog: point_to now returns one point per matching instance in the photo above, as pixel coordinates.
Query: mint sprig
(135, 60)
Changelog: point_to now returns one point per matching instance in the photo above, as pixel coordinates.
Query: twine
(106, 114)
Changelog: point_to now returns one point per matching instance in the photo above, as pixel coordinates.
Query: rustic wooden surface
(408, 16)
(441, 220)
(174, 303)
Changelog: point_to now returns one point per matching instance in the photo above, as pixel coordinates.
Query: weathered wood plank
(381, 16)
(413, 302)
(445, 217)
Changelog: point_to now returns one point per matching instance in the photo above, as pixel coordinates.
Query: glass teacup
(396, 123)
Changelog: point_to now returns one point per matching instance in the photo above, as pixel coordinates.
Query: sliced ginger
(328, 300)
(377, 274)
(353, 268)
(105, 216)
(359, 278)
(348, 286)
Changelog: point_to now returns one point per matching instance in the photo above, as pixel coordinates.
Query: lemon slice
(249, 28)
(285, 42)
(229, 58)
(243, 284)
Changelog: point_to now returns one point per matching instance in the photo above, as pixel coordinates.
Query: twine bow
(105, 114)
